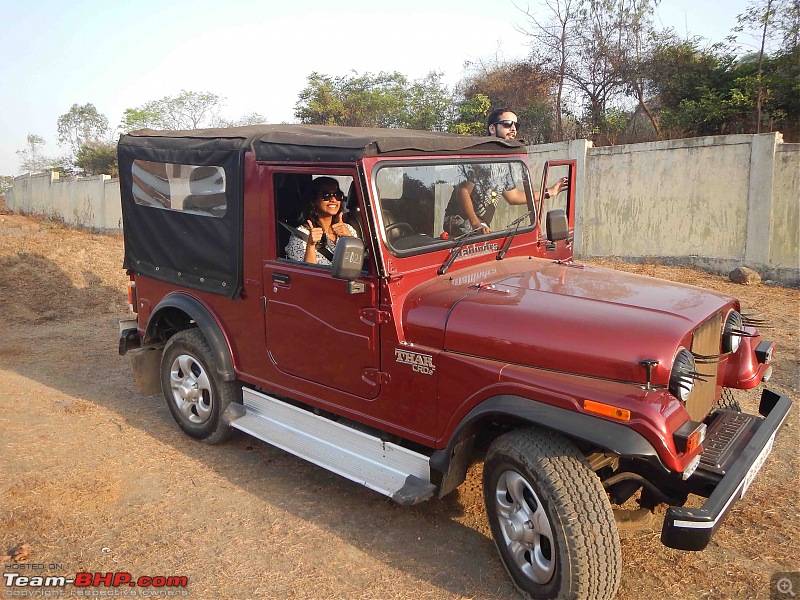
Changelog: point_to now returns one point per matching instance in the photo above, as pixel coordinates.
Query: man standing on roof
(502, 122)
(474, 202)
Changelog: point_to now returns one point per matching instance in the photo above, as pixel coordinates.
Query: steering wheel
(399, 225)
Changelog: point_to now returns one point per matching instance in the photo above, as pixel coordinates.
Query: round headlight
(732, 332)
(682, 376)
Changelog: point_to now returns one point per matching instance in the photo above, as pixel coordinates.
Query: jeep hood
(564, 317)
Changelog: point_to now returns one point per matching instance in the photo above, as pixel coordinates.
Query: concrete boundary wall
(716, 202)
(89, 202)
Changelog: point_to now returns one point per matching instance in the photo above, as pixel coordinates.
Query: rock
(744, 276)
(19, 553)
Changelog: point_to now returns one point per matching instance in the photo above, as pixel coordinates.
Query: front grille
(705, 342)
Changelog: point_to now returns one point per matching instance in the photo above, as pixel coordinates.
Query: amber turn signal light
(606, 410)
(689, 436)
(132, 296)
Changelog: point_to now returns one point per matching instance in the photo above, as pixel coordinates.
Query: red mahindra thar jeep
(421, 347)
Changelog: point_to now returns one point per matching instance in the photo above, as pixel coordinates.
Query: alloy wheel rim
(526, 529)
(191, 389)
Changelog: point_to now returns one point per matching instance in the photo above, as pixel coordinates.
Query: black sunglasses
(508, 123)
(326, 195)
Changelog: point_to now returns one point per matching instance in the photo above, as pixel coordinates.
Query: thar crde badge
(421, 363)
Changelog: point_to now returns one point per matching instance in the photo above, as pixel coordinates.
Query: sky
(257, 54)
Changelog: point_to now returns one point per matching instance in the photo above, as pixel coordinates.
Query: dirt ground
(95, 477)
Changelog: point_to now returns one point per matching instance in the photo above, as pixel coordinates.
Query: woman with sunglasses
(323, 224)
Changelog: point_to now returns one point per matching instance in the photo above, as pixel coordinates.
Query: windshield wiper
(460, 241)
(510, 236)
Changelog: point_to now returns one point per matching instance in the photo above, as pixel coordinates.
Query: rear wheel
(195, 395)
(550, 517)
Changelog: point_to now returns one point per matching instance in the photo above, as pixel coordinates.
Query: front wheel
(195, 395)
(550, 517)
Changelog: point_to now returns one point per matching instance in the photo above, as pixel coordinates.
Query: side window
(171, 186)
(294, 204)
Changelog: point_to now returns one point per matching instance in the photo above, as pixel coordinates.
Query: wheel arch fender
(196, 311)
(451, 462)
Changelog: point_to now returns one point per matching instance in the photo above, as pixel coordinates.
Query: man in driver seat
(474, 202)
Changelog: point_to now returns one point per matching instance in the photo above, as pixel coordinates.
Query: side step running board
(392, 470)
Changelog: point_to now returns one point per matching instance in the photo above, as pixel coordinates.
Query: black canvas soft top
(202, 252)
(303, 143)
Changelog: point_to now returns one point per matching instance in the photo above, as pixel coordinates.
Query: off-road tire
(188, 362)
(728, 401)
(585, 558)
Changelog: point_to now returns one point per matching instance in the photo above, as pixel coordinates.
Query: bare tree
(636, 55)
(761, 64)
(252, 118)
(31, 158)
(187, 110)
(553, 47)
(588, 45)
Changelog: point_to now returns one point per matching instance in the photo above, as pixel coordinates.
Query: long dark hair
(310, 213)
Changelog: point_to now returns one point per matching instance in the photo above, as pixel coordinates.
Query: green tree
(692, 86)
(81, 125)
(776, 24)
(320, 103)
(97, 158)
(471, 115)
(708, 91)
(382, 100)
(139, 118)
(782, 82)
(351, 100)
(187, 110)
(429, 104)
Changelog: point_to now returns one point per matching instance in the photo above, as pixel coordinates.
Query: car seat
(289, 205)
(353, 215)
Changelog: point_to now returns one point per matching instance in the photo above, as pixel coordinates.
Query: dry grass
(88, 465)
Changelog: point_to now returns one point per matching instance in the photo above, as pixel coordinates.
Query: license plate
(756, 467)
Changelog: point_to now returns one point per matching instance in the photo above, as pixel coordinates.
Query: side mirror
(348, 257)
(556, 225)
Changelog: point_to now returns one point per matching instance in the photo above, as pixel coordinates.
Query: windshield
(425, 205)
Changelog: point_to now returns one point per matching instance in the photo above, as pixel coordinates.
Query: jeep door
(561, 249)
(318, 329)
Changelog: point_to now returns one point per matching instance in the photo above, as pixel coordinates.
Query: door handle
(281, 278)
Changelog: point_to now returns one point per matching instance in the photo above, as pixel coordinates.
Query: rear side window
(171, 186)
